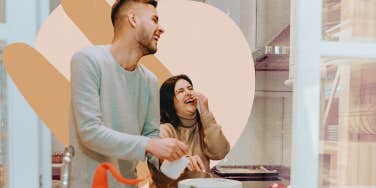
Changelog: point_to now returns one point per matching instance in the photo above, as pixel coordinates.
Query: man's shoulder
(90, 51)
(89, 56)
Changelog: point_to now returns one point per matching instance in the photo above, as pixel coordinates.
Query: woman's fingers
(198, 96)
(200, 164)
(197, 163)
(190, 164)
(202, 101)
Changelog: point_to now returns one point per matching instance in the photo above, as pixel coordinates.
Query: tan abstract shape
(45, 89)
(93, 17)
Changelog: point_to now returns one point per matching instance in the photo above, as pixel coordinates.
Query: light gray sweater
(111, 108)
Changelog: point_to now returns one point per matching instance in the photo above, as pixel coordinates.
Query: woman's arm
(216, 145)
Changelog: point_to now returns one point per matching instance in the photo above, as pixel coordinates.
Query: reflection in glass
(349, 20)
(348, 128)
(3, 123)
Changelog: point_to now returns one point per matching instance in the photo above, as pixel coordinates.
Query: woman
(185, 116)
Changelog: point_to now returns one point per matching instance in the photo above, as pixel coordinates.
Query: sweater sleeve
(151, 126)
(216, 145)
(85, 85)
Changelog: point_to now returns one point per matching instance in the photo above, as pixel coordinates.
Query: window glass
(349, 20)
(348, 127)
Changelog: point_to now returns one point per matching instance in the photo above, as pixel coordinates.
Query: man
(115, 100)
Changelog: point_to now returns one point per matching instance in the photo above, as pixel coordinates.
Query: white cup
(173, 169)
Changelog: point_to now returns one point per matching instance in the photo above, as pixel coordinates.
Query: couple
(116, 109)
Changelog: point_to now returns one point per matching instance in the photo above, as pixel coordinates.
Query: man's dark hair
(120, 3)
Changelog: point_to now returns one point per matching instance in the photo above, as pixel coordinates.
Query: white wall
(260, 20)
(232, 8)
(267, 137)
(248, 20)
(272, 17)
(250, 147)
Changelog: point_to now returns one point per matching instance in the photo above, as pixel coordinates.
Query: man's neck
(126, 54)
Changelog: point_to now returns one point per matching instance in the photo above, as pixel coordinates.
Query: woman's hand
(202, 102)
(195, 164)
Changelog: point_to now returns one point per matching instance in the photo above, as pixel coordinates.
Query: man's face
(148, 29)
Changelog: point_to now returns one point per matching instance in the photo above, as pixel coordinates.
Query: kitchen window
(334, 133)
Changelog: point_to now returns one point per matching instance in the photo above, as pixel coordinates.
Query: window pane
(2, 10)
(349, 20)
(3, 123)
(348, 128)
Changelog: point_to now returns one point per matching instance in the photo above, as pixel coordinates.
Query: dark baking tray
(253, 178)
(245, 172)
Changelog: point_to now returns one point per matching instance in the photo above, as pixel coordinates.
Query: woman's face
(184, 101)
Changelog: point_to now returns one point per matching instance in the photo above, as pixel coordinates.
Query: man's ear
(132, 18)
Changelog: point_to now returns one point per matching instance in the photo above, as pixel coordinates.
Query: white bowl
(209, 183)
